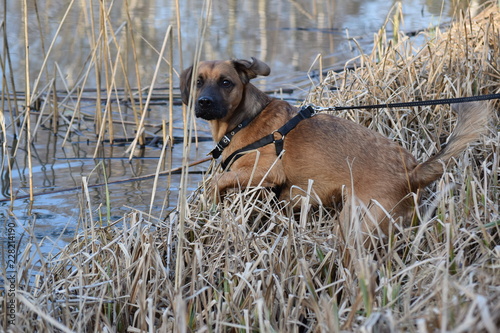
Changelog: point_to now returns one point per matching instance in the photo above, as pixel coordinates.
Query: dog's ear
(186, 84)
(249, 70)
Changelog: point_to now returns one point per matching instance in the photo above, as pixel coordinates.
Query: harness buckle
(223, 143)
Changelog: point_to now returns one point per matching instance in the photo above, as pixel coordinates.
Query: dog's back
(349, 162)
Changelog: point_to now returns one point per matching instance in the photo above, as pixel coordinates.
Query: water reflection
(287, 34)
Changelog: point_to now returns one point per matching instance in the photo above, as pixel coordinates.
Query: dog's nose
(205, 102)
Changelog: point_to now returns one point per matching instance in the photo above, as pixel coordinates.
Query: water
(288, 35)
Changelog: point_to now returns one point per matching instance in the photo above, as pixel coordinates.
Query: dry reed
(249, 264)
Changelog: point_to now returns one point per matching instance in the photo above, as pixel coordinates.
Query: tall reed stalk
(27, 111)
(188, 132)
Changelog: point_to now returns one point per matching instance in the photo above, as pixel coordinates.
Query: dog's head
(220, 85)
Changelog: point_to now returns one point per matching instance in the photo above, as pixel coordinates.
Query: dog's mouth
(207, 114)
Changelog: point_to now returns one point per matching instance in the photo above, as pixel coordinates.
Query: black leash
(275, 137)
(412, 104)
(308, 111)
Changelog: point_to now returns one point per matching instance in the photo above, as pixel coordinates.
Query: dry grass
(251, 265)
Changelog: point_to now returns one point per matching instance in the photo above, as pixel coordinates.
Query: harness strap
(304, 113)
(226, 139)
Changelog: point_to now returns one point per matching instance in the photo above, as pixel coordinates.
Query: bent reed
(248, 264)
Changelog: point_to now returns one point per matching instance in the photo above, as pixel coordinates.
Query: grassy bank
(250, 265)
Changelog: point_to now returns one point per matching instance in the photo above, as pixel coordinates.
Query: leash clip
(317, 109)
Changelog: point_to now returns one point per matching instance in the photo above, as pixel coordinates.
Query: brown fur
(346, 161)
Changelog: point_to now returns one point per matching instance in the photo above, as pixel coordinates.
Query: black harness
(275, 137)
(307, 112)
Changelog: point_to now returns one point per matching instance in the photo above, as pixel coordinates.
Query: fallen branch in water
(133, 179)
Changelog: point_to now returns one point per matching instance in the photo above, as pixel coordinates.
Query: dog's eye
(226, 83)
(199, 83)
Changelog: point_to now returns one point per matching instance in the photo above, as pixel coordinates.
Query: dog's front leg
(239, 179)
(244, 177)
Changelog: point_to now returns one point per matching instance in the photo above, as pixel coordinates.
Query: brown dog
(344, 160)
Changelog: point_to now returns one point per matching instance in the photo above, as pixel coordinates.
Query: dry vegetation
(251, 265)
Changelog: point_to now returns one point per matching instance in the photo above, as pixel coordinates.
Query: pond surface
(287, 34)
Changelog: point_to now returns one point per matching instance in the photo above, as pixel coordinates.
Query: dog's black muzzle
(209, 108)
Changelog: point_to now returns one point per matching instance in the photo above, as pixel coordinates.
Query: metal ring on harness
(278, 143)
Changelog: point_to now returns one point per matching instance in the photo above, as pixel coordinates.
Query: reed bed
(251, 264)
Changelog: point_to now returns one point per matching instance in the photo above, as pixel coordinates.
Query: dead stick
(174, 170)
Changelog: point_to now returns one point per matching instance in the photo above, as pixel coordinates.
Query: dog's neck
(247, 109)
